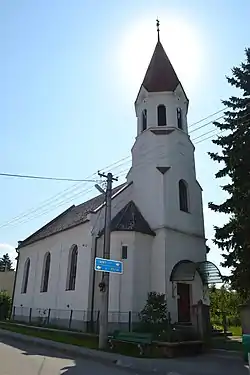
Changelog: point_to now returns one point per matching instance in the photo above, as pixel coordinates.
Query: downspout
(93, 285)
(14, 286)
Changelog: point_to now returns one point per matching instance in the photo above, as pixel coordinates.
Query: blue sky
(70, 72)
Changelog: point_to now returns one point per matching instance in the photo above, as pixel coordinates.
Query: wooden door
(183, 291)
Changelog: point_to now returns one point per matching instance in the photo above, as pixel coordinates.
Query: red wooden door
(183, 290)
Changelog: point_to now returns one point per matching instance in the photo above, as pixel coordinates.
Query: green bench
(142, 340)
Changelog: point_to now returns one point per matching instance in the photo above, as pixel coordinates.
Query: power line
(117, 164)
(46, 178)
(205, 118)
(203, 126)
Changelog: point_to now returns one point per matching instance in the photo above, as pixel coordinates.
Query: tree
(224, 302)
(5, 305)
(5, 263)
(233, 238)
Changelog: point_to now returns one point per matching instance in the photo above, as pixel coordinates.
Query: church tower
(164, 178)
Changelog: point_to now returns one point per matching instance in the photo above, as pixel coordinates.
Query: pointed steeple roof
(160, 75)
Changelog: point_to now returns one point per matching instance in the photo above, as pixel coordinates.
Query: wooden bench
(142, 340)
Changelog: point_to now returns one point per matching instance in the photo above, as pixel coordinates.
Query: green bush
(154, 316)
(5, 305)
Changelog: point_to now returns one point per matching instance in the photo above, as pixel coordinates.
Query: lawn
(67, 338)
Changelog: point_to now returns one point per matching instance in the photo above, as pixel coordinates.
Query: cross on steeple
(158, 29)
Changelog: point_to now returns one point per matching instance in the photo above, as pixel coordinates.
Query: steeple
(160, 75)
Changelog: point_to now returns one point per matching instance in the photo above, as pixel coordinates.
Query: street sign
(108, 265)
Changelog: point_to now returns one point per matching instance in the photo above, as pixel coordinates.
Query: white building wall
(142, 270)
(56, 297)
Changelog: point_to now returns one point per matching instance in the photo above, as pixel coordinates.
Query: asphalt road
(18, 358)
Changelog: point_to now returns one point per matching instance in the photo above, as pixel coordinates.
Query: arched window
(25, 276)
(144, 119)
(72, 268)
(183, 195)
(161, 114)
(45, 274)
(179, 118)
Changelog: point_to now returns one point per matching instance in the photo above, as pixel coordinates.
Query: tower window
(161, 114)
(144, 119)
(183, 195)
(179, 118)
(124, 252)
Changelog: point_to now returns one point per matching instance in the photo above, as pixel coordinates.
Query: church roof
(160, 75)
(70, 218)
(130, 219)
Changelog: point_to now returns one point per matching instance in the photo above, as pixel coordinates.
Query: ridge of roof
(73, 216)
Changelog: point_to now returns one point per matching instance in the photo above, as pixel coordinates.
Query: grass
(236, 331)
(69, 338)
(226, 343)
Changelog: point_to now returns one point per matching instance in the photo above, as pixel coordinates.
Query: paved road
(19, 359)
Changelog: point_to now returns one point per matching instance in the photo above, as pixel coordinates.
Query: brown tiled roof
(72, 217)
(160, 75)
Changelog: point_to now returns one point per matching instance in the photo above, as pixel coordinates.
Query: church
(157, 227)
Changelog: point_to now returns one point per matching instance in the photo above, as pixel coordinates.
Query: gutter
(93, 285)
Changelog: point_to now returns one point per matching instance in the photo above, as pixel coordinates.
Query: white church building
(157, 224)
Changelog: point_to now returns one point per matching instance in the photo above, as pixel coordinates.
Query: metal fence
(79, 320)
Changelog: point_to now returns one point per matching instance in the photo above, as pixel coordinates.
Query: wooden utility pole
(104, 285)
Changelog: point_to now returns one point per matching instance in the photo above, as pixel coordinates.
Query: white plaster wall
(157, 195)
(142, 270)
(121, 288)
(58, 245)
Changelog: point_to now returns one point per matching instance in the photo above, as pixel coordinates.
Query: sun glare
(180, 41)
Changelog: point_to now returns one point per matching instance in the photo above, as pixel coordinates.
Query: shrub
(5, 305)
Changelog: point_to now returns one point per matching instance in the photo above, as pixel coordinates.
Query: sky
(69, 75)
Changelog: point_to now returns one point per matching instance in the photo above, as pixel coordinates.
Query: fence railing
(80, 320)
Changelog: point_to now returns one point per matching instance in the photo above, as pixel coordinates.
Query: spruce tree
(5, 263)
(233, 238)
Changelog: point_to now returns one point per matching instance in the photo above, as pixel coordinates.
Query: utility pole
(104, 285)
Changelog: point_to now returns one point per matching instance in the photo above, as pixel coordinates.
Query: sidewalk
(207, 364)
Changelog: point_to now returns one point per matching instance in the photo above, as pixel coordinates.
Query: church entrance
(183, 291)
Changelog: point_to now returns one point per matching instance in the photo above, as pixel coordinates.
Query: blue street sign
(108, 265)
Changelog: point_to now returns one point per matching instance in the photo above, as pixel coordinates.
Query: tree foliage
(233, 238)
(225, 302)
(5, 305)
(5, 263)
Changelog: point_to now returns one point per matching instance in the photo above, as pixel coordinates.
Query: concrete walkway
(207, 364)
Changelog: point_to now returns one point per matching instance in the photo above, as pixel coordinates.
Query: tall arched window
(26, 271)
(183, 196)
(179, 118)
(72, 268)
(144, 119)
(45, 273)
(161, 114)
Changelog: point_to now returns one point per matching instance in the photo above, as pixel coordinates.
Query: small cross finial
(158, 29)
